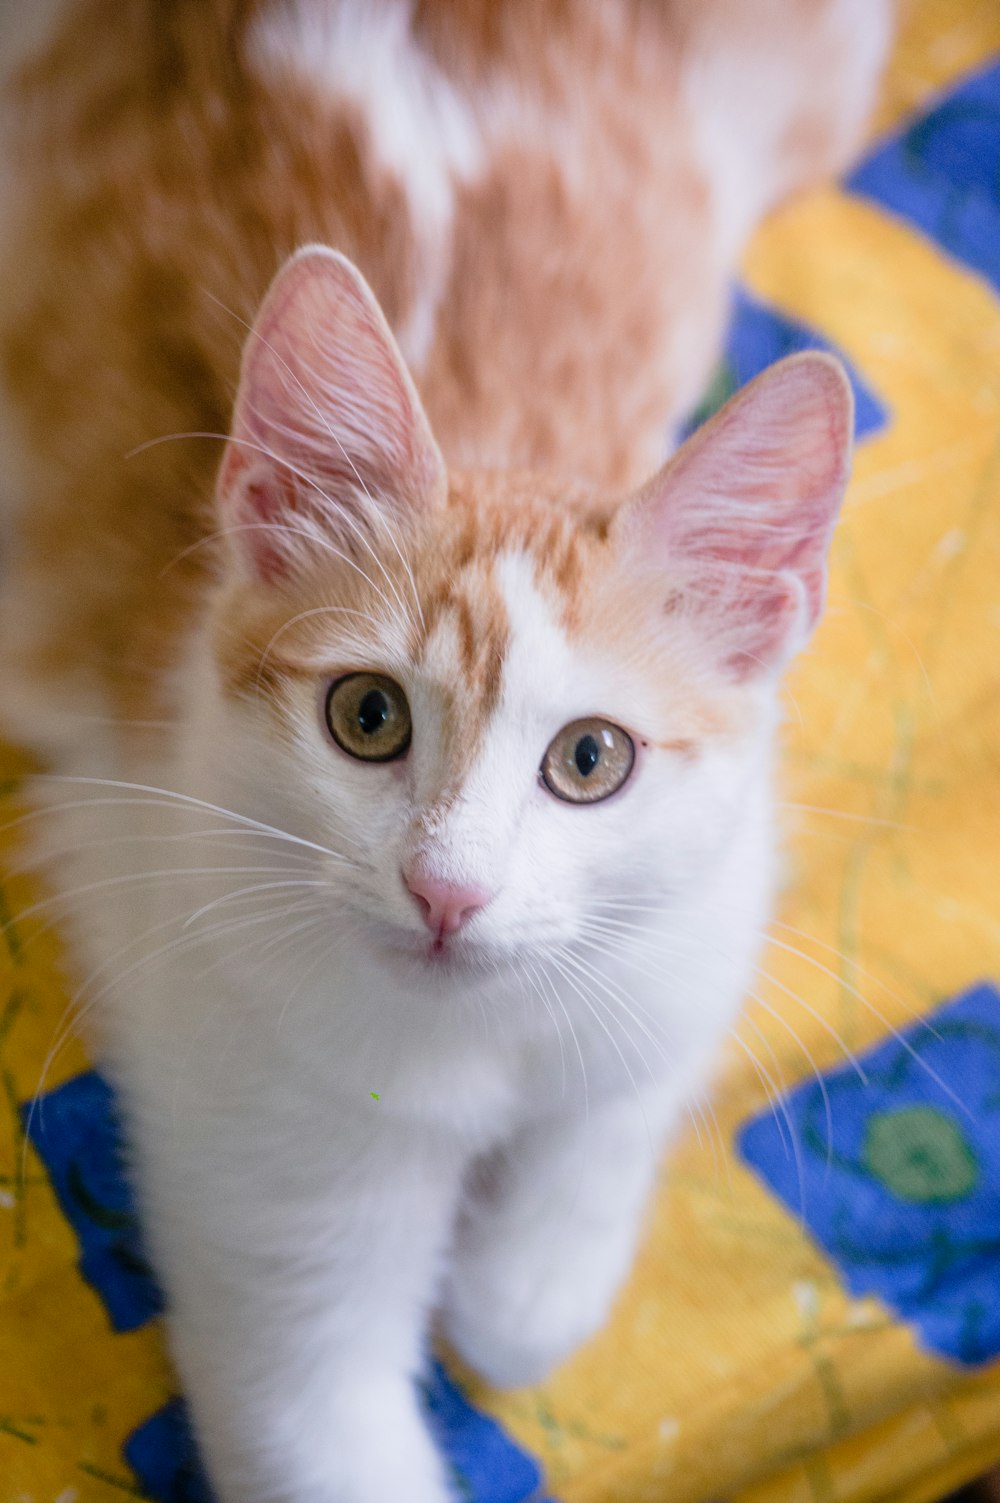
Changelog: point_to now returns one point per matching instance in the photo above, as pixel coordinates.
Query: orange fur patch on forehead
(429, 607)
(607, 612)
(426, 602)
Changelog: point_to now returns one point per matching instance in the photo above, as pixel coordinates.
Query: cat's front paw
(513, 1317)
(335, 1442)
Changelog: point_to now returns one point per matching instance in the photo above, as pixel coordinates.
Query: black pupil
(586, 756)
(373, 712)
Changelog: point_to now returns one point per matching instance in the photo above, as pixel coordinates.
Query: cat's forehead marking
(493, 737)
(560, 528)
(501, 577)
(463, 650)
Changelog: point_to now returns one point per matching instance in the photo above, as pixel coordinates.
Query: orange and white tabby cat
(410, 748)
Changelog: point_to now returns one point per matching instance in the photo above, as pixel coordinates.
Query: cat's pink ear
(739, 520)
(328, 435)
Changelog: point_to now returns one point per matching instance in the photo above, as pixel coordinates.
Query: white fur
(421, 129)
(302, 1228)
(744, 94)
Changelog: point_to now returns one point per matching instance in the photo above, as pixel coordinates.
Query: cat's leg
(297, 1314)
(547, 1238)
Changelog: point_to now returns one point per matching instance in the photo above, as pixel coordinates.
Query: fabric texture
(815, 1313)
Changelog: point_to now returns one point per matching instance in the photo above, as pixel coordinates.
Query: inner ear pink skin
(328, 429)
(742, 515)
(445, 906)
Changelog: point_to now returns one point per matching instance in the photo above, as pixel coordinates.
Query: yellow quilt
(816, 1312)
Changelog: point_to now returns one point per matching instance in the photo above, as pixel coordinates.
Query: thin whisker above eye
(312, 536)
(320, 610)
(267, 453)
(374, 513)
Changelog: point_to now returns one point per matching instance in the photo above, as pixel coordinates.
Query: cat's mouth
(441, 955)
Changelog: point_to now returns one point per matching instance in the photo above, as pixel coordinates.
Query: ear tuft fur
(742, 515)
(328, 431)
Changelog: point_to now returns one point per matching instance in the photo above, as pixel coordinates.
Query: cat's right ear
(740, 519)
(329, 438)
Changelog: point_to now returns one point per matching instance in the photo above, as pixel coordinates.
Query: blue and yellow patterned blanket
(816, 1310)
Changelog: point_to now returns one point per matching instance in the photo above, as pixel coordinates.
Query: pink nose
(445, 906)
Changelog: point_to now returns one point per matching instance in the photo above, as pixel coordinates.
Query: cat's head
(504, 701)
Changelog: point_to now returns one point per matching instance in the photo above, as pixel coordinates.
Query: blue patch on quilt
(942, 173)
(75, 1132)
(486, 1466)
(900, 1183)
(758, 336)
(163, 1456)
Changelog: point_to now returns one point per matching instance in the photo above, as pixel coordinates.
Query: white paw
(514, 1317)
(368, 1447)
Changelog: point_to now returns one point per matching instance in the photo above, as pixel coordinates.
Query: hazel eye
(368, 716)
(588, 761)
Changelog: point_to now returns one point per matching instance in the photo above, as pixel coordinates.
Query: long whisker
(796, 1147)
(545, 980)
(133, 879)
(767, 935)
(42, 859)
(240, 892)
(821, 1083)
(168, 794)
(308, 972)
(76, 1016)
(632, 1006)
(775, 1086)
(522, 969)
(862, 819)
(824, 1023)
(899, 1037)
(592, 1007)
(311, 536)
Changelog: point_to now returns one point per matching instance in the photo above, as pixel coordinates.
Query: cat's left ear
(329, 437)
(738, 522)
